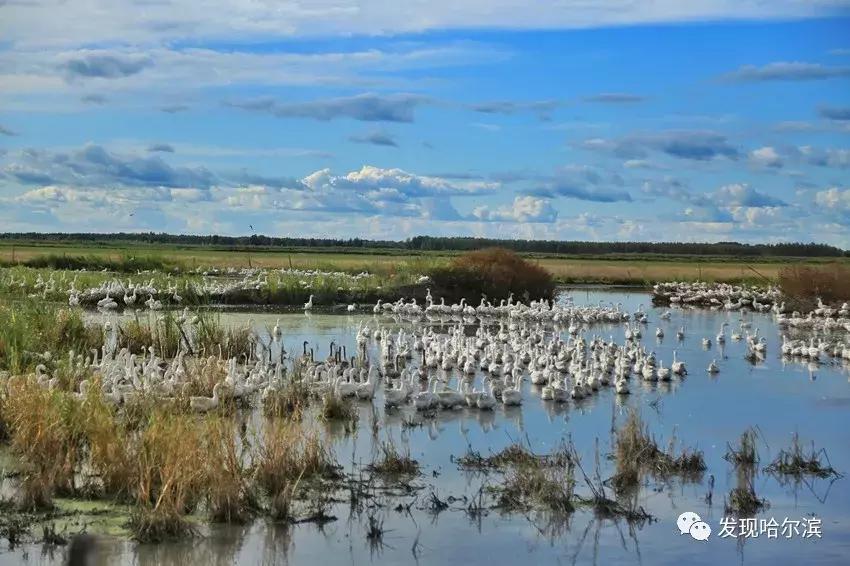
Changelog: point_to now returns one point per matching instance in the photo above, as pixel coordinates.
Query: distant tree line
(434, 243)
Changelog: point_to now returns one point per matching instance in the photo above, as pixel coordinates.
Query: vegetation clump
(496, 273)
(393, 463)
(516, 454)
(338, 408)
(746, 454)
(804, 284)
(637, 453)
(743, 501)
(795, 462)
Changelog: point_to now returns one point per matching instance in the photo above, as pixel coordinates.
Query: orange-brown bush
(493, 272)
(804, 283)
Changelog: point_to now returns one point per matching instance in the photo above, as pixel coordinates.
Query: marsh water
(703, 411)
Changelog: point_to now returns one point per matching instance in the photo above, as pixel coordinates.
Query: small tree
(494, 272)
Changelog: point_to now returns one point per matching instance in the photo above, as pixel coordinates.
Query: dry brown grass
(797, 463)
(229, 495)
(804, 283)
(637, 453)
(47, 434)
(111, 447)
(286, 455)
(394, 464)
(170, 477)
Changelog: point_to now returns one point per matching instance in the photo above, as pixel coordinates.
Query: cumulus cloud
(834, 199)
(743, 195)
(615, 98)
(523, 209)
(786, 71)
(835, 112)
(363, 107)
(377, 137)
(370, 178)
(103, 65)
(697, 145)
(765, 157)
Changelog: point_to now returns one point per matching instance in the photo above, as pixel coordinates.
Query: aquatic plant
(228, 491)
(636, 452)
(286, 455)
(170, 477)
(746, 454)
(337, 408)
(795, 462)
(392, 464)
(47, 434)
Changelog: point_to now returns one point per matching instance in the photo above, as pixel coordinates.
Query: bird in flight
(251, 226)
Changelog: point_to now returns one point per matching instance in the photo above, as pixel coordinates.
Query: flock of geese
(718, 295)
(479, 365)
(154, 293)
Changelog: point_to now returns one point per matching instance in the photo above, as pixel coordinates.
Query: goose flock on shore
(155, 290)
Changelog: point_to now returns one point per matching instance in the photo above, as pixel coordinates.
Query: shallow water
(703, 412)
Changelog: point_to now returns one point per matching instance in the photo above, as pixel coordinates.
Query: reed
(637, 453)
(805, 283)
(111, 447)
(47, 433)
(170, 477)
(28, 328)
(394, 464)
(797, 463)
(286, 455)
(336, 408)
(229, 495)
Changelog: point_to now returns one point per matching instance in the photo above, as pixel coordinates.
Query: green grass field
(613, 269)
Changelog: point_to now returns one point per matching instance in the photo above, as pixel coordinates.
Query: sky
(637, 120)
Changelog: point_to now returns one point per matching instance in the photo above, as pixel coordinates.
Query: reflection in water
(703, 411)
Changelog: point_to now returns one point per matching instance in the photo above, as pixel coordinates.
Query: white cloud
(834, 199)
(765, 157)
(523, 209)
(59, 22)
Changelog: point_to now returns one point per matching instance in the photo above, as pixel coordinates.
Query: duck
(393, 397)
(512, 395)
(712, 367)
(205, 404)
(659, 333)
(486, 400)
(426, 399)
(678, 367)
(721, 336)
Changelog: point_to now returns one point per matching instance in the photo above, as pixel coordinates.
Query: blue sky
(613, 120)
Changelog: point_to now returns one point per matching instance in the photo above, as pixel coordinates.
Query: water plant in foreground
(636, 453)
(795, 462)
